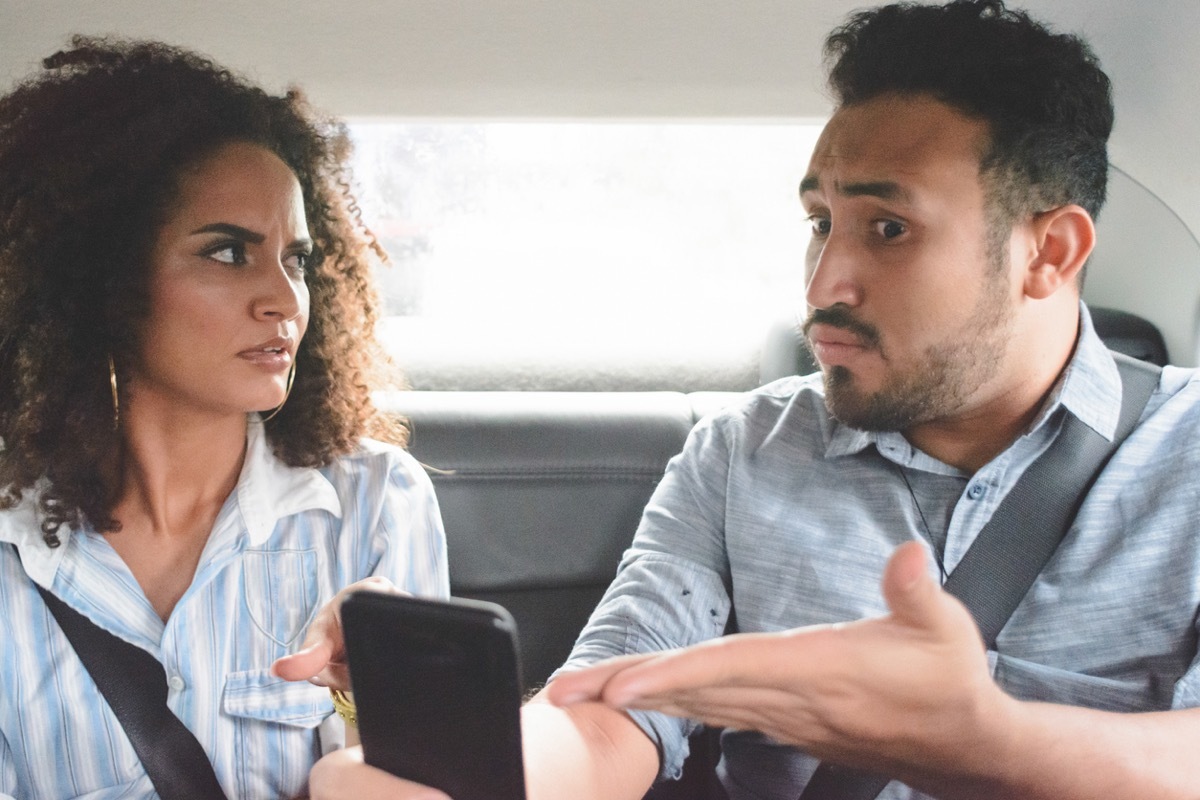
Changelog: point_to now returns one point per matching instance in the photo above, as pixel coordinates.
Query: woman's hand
(321, 659)
(342, 775)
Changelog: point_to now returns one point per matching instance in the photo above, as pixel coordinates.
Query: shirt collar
(21, 526)
(1089, 388)
(267, 491)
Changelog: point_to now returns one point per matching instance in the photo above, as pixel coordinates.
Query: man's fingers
(907, 587)
(914, 597)
(746, 659)
(587, 685)
(749, 706)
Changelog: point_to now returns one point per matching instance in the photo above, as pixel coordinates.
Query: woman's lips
(270, 358)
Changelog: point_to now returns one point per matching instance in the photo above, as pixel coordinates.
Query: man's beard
(937, 385)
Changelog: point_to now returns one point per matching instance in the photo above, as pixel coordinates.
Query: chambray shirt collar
(21, 526)
(267, 491)
(1089, 388)
(1091, 385)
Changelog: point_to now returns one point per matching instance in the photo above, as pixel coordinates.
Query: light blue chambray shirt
(780, 512)
(284, 543)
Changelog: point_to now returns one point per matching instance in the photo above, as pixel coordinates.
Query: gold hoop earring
(286, 392)
(112, 383)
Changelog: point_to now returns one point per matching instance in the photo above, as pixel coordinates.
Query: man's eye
(889, 228)
(820, 225)
(230, 253)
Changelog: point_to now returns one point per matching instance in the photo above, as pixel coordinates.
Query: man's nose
(832, 273)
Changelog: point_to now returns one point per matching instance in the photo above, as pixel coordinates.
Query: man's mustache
(839, 316)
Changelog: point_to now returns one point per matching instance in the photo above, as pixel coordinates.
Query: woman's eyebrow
(236, 231)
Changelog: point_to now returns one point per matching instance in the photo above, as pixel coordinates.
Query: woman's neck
(177, 471)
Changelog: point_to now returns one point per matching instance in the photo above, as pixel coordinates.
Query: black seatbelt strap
(1013, 547)
(134, 684)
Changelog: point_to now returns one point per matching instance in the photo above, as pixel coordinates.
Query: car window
(584, 255)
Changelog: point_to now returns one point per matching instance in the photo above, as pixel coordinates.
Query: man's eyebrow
(884, 190)
(236, 231)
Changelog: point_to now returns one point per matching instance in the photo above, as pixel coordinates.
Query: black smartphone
(438, 690)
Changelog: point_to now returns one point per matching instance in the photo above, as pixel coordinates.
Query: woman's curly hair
(91, 153)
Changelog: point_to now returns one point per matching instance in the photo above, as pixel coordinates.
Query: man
(952, 198)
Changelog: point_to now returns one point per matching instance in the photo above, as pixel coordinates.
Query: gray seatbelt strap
(1013, 547)
(134, 684)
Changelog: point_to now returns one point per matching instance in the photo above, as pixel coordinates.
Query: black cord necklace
(933, 545)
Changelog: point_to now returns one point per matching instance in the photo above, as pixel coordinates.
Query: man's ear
(1063, 239)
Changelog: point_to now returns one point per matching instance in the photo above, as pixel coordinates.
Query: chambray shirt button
(176, 683)
(976, 491)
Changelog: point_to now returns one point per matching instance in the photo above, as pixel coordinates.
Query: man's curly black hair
(1047, 103)
(92, 148)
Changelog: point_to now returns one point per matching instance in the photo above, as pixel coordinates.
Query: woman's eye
(298, 262)
(230, 253)
(820, 225)
(889, 228)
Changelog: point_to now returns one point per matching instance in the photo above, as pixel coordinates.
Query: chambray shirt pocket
(258, 695)
(138, 787)
(281, 592)
(274, 717)
(1027, 680)
(137, 790)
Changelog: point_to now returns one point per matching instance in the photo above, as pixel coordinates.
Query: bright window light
(571, 243)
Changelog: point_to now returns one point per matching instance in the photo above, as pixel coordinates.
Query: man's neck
(1006, 407)
(971, 439)
(969, 442)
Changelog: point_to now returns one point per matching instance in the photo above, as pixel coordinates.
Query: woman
(186, 340)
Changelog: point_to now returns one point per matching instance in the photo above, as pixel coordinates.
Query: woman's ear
(1063, 239)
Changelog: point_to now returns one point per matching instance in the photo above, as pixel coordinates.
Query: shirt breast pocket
(277, 731)
(142, 787)
(281, 592)
(1029, 681)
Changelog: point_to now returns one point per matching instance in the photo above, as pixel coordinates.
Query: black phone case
(438, 691)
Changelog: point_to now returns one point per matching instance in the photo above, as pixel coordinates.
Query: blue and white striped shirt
(284, 543)
(777, 511)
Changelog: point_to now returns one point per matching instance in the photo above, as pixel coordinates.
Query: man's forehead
(880, 146)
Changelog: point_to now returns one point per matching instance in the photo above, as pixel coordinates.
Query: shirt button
(176, 683)
(976, 491)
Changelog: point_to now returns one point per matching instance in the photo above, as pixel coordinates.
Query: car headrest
(1130, 334)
